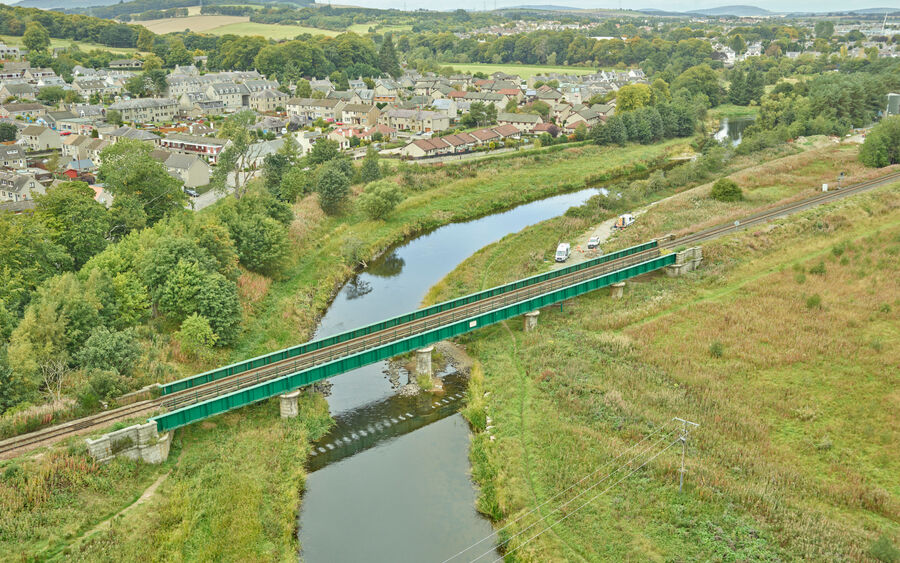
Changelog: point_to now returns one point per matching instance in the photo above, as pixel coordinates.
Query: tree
(824, 29)
(258, 225)
(77, 222)
(701, 79)
(145, 40)
(304, 90)
(127, 169)
(387, 58)
(196, 336)
(235, 161)
(8, 132)
(51, 95)
(632, 97)
(882, 145)
(333, 186)
(380, 198)
(114, 116)
(323, 151)
(295, 183)
(36, 38)
(274, 167)
(613, 132)
(581, 131)
(178, 54)
(110, 350)
(659, 92)
(370, 170)
(290, 149)
(726, 190)
(339, 80)
(737, 43)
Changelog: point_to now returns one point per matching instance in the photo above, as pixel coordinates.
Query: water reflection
(732, 129)
(387, 266)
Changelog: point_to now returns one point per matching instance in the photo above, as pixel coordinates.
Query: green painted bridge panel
(294, 351)
(193, 413)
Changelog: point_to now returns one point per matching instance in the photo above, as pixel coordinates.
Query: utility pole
(683, 438)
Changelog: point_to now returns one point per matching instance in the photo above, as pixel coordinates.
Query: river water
(390, 482)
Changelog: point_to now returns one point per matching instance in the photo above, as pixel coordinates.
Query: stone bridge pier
(685, 261)
(139, 442)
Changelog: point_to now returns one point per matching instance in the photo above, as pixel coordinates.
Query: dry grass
(199, 24)
(252, 288)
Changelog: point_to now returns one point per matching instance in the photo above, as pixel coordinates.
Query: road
(204, 200)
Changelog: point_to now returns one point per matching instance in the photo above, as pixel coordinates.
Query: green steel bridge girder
(217, 405)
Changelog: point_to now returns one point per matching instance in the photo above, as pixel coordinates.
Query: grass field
(524, 71)
(83, 45)
(273, 31)
(198, 23)
(783, 346)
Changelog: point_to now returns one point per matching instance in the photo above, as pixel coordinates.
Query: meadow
(781, 347)
(16, 40)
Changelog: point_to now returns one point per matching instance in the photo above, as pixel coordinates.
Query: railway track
(25, 442)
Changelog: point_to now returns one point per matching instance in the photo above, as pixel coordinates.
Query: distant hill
(51, 4)
(740, 10)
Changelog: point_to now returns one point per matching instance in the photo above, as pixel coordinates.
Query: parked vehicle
(594, 242)
(563, 251)
(624, 221)
(190, 192)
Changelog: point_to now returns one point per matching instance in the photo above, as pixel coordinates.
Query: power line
(560, 507)
(551, 499)
(592, 499)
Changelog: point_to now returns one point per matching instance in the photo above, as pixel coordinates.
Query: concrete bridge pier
(617, 290)
(289, 404)
(531, 320)
(423, 361)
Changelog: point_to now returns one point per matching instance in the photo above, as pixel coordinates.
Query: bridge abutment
(531, 320)
(138, 442)
(617, 290)
(289, 404)
(685, 261)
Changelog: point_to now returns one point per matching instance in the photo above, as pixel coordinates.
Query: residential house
(9, 53)
(342, 141)
(461, 142)
(359, 114)
(146, 110)
(234, 96)
(126, 64)
(415, 120)
(260, 85)
(21, 90)
(486, 136)
(52, 118)
(266, 101)
(387, 133)
(26, 110)
(312, 109)
(34, 74)
(508, 131)
(18, 186)
(87, 87)
(207, 147)
(386, 90)
(126, 132)
(40, 138)
(12, 156)
(421, 148)
(192, 170)
(524, 122)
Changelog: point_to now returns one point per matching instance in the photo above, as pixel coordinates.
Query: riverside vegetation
(779, 347)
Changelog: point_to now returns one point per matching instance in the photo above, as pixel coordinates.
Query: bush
(882, 145)
(196, 336)
(716, 349)
(333, 186)
(883, 550)
(726, 190)
(814, 301)
(380, 198)
(818, 269)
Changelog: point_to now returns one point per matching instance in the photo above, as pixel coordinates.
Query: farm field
(270, 30)
(525, 71)
(83, 45)
(198, 23)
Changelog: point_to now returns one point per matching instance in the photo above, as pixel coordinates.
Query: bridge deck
(282, 376)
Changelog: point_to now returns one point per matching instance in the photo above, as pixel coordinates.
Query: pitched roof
(519, 117)
(506, 130)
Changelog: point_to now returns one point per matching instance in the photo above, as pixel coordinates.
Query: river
(377, 489)
(732, 129)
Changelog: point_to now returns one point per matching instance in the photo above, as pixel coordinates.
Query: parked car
(594, 242)
(624, 221)
(563, 251)
(190, 192)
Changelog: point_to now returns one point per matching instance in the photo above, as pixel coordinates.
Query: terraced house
(234, 96)
(146, 110)
(16, 186)
(415, 120)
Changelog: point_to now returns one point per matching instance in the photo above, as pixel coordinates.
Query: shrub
(726, 190)
(380, 198)
(333, 186)
(818, 269)
(883, 550)
(814, 301)
(196, 336)
(882, 145)
(716, 349)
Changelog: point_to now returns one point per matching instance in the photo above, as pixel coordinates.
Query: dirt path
(147, 495)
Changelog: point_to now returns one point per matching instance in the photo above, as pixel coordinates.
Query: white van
(563, 251)
(624, 221)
